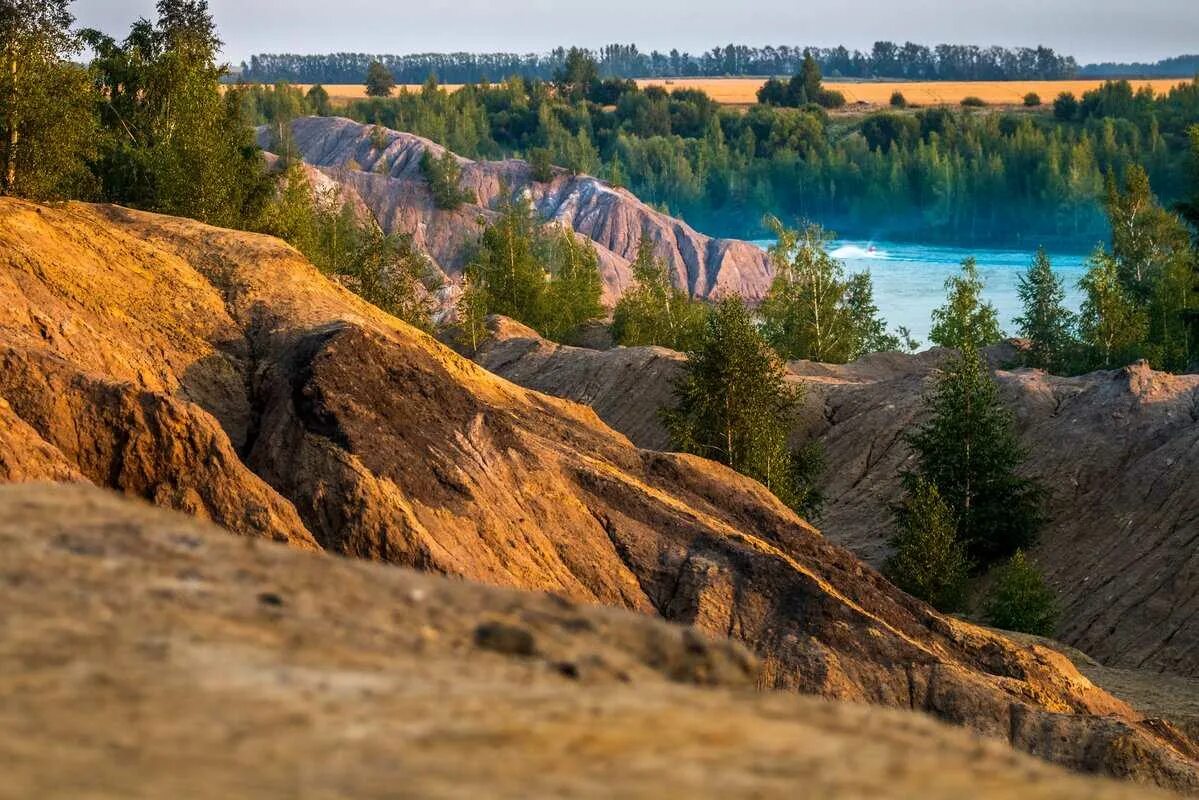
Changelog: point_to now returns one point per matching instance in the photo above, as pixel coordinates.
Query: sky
(1090, 30)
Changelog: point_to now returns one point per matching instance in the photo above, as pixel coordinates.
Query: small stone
(500, 637)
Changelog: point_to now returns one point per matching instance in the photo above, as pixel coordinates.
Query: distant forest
(948, 62)
(1177, 67)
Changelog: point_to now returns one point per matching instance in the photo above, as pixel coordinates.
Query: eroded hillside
(219, 373)
(381, 168)
(1119, 451)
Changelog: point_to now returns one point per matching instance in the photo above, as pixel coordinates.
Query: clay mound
(216, 669)
(1120, 450)
(381, 168)
(388, 446)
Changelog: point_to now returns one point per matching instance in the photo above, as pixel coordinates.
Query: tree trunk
(10, 146)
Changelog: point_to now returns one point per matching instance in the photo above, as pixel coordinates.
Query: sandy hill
(381, 167)
(1119, 449)
(218, 373)
(129, 625)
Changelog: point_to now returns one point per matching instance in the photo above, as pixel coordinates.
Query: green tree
(1020, 600)
(652, 311)
(968, 450)
(46, 125)
(578, 76)
(443, 174)
(391, 273)
(379, 81)
(812, 310)
(1157, 266)
(318, 101)
(965, 321)
(734, 405)
(575, 288)
(171, 142)
(508, 265)
(1046, 322)
(928, 561)
(1110, 325)
(541, 164)
(471, 314)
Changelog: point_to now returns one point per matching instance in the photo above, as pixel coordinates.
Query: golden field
(743, 91)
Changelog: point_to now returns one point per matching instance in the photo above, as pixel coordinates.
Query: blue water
(909, 279)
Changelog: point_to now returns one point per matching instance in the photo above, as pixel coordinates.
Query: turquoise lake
(909, 279)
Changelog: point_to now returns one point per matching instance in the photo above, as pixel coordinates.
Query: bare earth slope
(388, 179)
(146, 654)
(217, 372)
(1120, 450)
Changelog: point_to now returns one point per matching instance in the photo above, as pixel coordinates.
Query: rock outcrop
(190, 357)
(381, 169)
(1119, 451)
(146, 654)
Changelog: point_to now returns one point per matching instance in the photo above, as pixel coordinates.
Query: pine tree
(575, 288)
(965, 321)
(969, 451)
(734, 405)
(1020, 600)
(652, 311)
(1046, 322)
(47, 128)
(379, 81)
(928, 560)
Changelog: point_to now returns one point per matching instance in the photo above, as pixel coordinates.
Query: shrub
(898, 100)
(442, 175)
(1020, 600)
(973, 102)
(541, 162)
(929, 562)
(829, 98)
(1032, 100)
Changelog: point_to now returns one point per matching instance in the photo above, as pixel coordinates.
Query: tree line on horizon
(907, 61)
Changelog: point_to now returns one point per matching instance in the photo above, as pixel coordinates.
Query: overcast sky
(1090, 30)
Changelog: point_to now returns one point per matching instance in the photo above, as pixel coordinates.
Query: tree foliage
(968, 450)
(928, 561)
(1046, 323)
(734, 405)
(652, 311)
(443, 175)
(47, 129)
(385, 270)
(965, 321)
(813, 311)
(1020, 600)
(171, 142)
(547, 280)
(379, 81)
